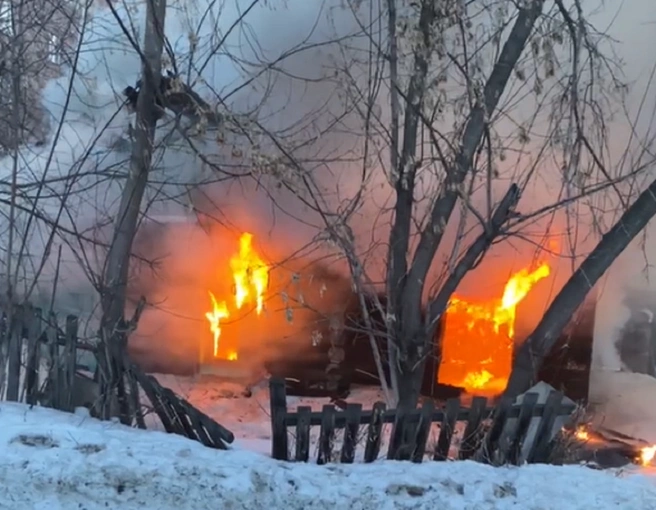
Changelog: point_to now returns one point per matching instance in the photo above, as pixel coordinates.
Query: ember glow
(582, 433)
(477, 345)
(250, 277)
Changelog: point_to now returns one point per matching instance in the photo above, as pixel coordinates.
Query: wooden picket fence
(38, 362)
(491, 434)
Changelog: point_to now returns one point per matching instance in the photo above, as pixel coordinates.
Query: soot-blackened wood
(523, 422)
(217, 432)
(147, 384)
(423, 430)
(69, 356)
(447, 428)
(279, 441)
(540, 450)
(202, 433)
(180, 415)
(351, 429)
(170, 411)
(374, 432)
(326, 435)
(471, 438)
(491, 440)
(303, 434)
(34, 327)
(14, 353)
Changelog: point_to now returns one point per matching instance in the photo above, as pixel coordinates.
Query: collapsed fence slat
(177, 415)
(473, 434)
(423, 430)
(180, 415)
(374, 432)
(303, 434)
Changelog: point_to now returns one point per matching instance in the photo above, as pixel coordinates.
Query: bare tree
(426, 68)
(115, 277)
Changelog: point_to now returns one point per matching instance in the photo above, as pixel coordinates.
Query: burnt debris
(176, 96)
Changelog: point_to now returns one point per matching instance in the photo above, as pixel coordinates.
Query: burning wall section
(251, 279)
(479, 337)
(477, 345)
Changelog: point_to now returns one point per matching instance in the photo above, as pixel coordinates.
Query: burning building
(303, 322)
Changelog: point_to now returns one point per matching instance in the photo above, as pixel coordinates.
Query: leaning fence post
(33, 362)
(278, 399)
(69, 362)
(14, 355)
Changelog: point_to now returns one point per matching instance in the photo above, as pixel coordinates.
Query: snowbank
(51, 460)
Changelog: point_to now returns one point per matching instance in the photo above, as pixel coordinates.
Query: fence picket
(327, 434)
(447, 429)
(303, 434)
(374, 432)
(423, 430)
(473, 434)
(351, 429)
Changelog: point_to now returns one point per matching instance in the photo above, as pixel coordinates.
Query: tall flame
(251, 277)
(250, 274)
(477, 345)
(219, 311)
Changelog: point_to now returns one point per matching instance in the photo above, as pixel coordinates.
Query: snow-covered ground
(51, 460)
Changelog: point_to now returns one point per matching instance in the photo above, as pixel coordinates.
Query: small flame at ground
(477, 345)
(582, 434)
(251, 277)
(647, 455)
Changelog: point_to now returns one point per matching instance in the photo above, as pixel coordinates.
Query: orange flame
(477, 345)
(219, 311)
(647, 455)
(251, 277)
(582, 433)
(250, 274)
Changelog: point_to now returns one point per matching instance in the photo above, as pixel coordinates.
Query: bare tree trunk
(532, 353)
(116, 268)
(413, 334)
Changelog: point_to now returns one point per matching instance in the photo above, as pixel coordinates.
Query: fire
(647, 455)
(477, 346)
(250, 274)
(582, 433)
(250, 277)
(219, 311)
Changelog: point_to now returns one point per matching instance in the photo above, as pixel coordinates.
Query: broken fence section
(38, 365)
(505, 434)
